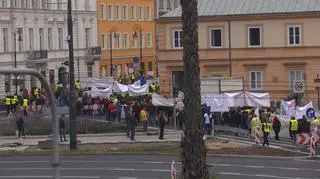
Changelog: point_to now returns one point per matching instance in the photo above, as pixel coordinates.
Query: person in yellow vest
(293, 128)
(153, 88)
(133, 77)
(25, 106)
(16, 102)
(144, 118)
(13, 104)
(315, 125)
(77, 85)
(266, 126)
(36, 91)
(255, 123)
(7, 102)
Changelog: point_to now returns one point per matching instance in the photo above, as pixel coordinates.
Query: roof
(250, 7)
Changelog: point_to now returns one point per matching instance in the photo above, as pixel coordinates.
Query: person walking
(180, 118)
(276, 126)
(293, 128)
(266, 131)
(20, 127)
(132, 122)
(62, 126)
(162, 122)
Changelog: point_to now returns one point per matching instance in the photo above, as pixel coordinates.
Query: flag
(256, 112)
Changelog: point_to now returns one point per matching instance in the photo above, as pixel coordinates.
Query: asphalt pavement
(155, 167)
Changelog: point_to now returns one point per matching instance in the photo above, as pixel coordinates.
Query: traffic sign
(310, 113)
(303, 138)
(299, 86)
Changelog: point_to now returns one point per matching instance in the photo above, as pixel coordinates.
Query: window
(51, 76)
(59, 4)
(41, 38)
(103, 41)
(5, 40)
(254, 37)
(44, 4)
(169, 4)
(49, 4)
(294, 35)
(89, 70)
(256, 80)
(149, 66)
(118, 12)
(125, 12)
(161, 4)
(125, 40)
(132, 13)
(110, 12)
(117, 41)
(176, 3)
(87, 37)
(134, 41)
(177, 39)
(3, 3)
(14, 3)
(101, 11)
(35, 4)
(20, 32)
(295, 75)
(31, 39)
(7, 83)
(149, 40)
(50, 42)
(60, 35)
(87, 5)
(216, 37)
(140, 13)
(148, 13)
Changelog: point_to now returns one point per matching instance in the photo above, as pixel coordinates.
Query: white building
(164, 6)
(42, 26)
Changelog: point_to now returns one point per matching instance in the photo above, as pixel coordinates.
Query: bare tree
(193, 151)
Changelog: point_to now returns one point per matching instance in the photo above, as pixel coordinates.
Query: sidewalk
(94, 139)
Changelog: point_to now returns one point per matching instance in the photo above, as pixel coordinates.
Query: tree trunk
(193, 153)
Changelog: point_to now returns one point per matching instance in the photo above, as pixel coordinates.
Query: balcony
(93, 54)
(38, 55)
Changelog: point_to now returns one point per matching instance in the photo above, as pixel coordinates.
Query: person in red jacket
(112, 111)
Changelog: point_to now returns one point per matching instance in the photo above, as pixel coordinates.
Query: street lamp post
(112, 34)
(15, 56)
(137, 27)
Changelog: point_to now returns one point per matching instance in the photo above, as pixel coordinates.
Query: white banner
(287, 109)
(257, 99)
(306, 110)
(217, 103)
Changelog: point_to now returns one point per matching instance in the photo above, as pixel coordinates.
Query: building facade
(126, 34)
(164, 6)
(272, 46)
(37, 31)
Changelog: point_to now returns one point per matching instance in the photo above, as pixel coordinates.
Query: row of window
(40, 4)
(125, 41)
(118, 12)
(49, 35)
(256, 78)
(254, 37)
(168, 4)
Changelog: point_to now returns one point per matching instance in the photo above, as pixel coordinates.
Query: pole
(15, 60)
(318, 76)
(111, 54)
(229, 50)
(72, 109)
(78, 64)
(141, 49)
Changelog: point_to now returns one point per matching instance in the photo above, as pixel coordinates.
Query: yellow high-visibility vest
(78, 85)
(8, 101)
(255, 122)
(25, 102)
(294, 125)
(153, 88)
(266, 127)
(36, 91)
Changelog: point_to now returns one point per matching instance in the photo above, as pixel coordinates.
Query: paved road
(154, 167)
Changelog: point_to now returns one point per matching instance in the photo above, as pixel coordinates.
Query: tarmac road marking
(261, 176)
